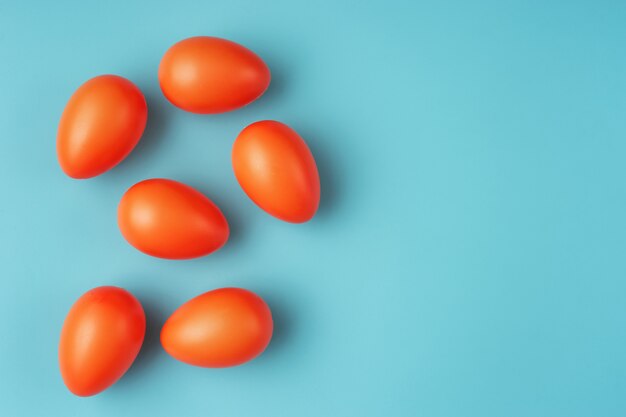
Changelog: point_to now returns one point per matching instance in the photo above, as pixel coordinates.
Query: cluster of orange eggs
(101, 124)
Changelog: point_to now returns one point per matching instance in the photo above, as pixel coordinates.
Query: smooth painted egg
(101, 337)
(276, 169)
(212, 75)
(171, 220)
(220, 328)
(101, 124)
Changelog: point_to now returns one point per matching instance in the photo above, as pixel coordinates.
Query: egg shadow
(151, 348)
(290, 306)
(153, 136)
(231, 210)
(280, 54)
(283, 319)
(325, 159)
(277, 87)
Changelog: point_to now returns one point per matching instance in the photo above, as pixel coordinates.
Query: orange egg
(220, 328)
(168, 219)
(101, 124)
(277, 171)
(212, 75)
(101, 337)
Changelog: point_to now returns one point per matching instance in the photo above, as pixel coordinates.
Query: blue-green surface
(469, 256)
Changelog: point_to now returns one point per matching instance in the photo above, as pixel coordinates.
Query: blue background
(468, 258)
